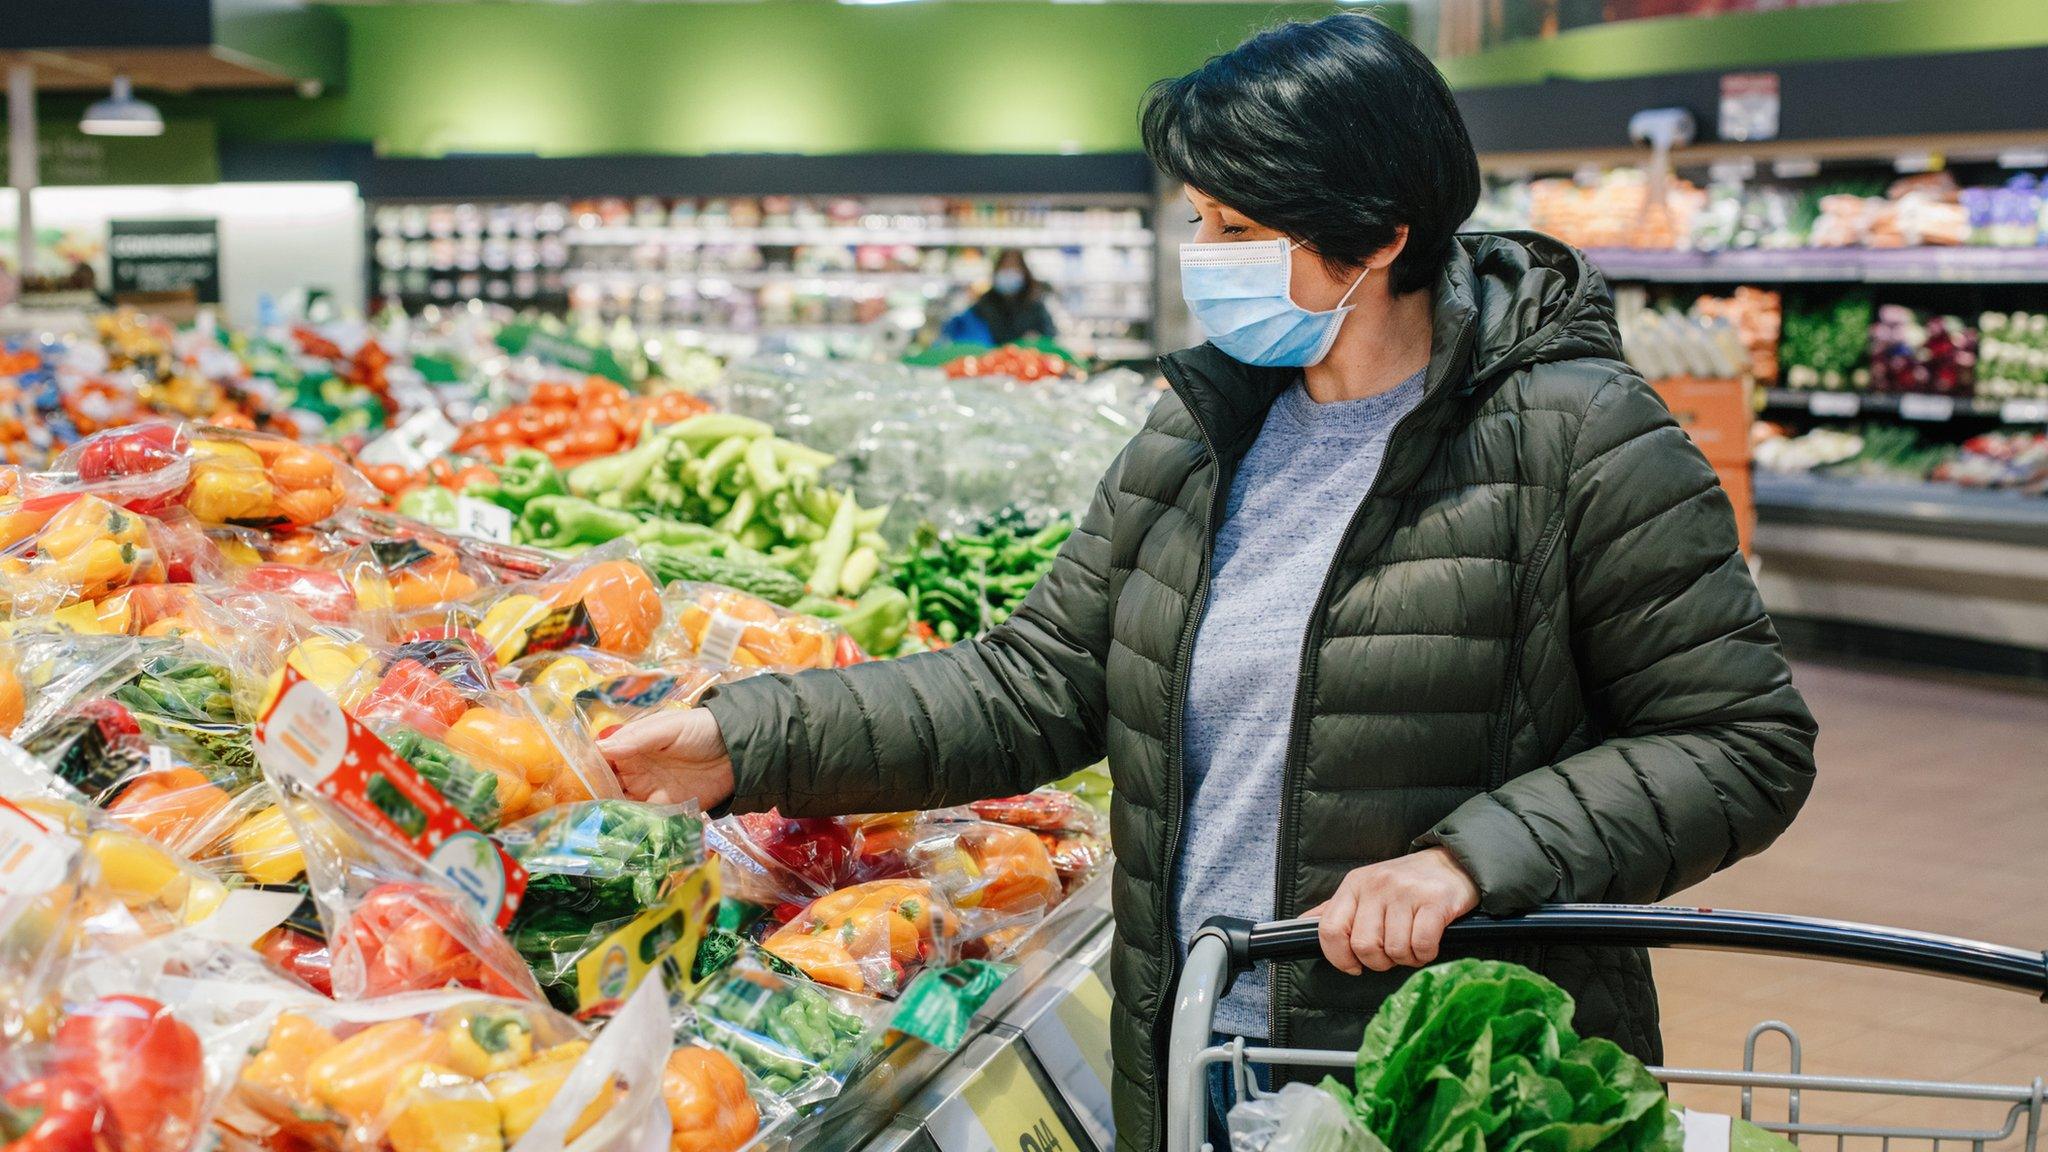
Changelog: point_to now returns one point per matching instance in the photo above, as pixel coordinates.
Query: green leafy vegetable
(1478, 1055)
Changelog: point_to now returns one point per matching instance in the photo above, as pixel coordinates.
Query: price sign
(1003, 1109)
(1836, 404)
(1918, 406)
(2024, 412)
(483, 519)
(1072, 1045)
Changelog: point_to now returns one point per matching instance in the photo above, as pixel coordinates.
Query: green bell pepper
(566, 522)
(527, 474)
(433, 505)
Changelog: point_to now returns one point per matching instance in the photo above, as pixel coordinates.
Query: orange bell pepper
(708, 1106)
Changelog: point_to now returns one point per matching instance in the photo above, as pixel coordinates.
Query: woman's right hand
(672, 758)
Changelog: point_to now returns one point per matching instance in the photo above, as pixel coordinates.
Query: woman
(1411, 600)
(1011, 309)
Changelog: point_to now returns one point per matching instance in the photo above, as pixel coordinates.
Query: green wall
(1645, 47)
(1019, 77)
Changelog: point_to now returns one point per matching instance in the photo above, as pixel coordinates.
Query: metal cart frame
(1226, 947)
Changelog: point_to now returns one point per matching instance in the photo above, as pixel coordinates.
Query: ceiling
(175, 70)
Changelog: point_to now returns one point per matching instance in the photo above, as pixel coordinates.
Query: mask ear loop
(1354, 287)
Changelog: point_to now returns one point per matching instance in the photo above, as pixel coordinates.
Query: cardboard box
(1715, 413)
(1736, 482)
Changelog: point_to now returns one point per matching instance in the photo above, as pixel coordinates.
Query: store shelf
(1914, 509)
(837, 279)
(857, 237)
(1828, 265)
(1908, 406)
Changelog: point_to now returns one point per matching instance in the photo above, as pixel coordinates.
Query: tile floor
(1930, 812)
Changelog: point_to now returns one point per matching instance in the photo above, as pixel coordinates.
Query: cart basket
(1224, 947)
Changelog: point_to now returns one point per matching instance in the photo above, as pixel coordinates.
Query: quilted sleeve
(1708, 752)
(1022, 706)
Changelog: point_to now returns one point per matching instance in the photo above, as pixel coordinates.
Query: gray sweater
(1289, 504)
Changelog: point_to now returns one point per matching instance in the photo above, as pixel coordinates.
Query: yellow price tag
(1003, 1109)
(664, 936)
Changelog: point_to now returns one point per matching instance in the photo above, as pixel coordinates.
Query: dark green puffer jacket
(1538, 647)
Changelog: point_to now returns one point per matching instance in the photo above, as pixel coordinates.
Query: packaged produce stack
(308, 843)
(1700, 363)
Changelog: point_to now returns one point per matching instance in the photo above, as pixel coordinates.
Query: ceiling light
(121, 114)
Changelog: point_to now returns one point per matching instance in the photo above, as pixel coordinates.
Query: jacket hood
(1505, 300)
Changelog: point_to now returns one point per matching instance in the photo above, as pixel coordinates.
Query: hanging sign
(1749, 106)
(157, 257)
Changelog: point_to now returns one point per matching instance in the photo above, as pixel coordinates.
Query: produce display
(235, 664)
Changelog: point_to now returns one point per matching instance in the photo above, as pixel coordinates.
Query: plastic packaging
(442, 1069)
(254, 480)
(800, 1040)
(871, 937)
(1074, 834)
(593, 869)
(712, 624)
(772, 859)
(1298, 1118)
(87, 549)
(999, 879)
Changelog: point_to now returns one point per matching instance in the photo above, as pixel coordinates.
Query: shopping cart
(1224, 947)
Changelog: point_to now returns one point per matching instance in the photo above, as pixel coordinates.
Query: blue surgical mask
(1239, 294)
(1009, 281)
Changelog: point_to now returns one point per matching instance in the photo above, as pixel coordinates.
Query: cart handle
(1658, 926)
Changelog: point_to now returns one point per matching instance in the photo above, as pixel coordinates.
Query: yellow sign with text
(664, 936)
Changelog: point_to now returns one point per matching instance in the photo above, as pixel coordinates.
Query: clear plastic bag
(800, 1040)
(998, 878)
(255, 480)
(712, 1104)
(713, 624)
(150, 1040)
(441, 1069)
(776, 860)
(871, 937)
(603, 599)
(593, 869)
(1298, 1118)
(87, 549)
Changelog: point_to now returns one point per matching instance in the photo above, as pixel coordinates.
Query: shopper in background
(1412, 600)
(1011, 309)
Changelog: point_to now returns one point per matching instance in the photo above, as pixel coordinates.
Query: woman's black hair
(1335, 133)
(1012, 306)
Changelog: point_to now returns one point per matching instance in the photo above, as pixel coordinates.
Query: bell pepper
(359, 1076)
(526, 475)
(145, 1061)
(170, 805)
(505, 626)
(57, 1114)
(228, 483)
(265, 849)
(568, 522)
(282, 1068)
(128, 452)
(409, 690)
(523, 1093)
(708, 1106)
(867, 937)
(489, 1042)
(433, 505)
(443, 1111)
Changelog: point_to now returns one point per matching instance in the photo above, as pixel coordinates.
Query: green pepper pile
(713, 498)
(965, 584)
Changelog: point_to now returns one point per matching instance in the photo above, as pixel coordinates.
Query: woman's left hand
(1394, 913)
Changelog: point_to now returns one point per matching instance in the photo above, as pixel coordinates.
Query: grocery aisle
(1931, 812)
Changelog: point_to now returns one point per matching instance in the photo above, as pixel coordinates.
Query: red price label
(306, 735)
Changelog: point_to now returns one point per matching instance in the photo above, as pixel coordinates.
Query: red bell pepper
(300, 954)
(128, 452)
(56, 1114)
(326, 596)
(146, 1063)
(414, 937)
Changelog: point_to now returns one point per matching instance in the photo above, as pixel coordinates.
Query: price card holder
(1834, 404)
(1005, 1107)
(1919, 406)
(1071, 1043)
(2024, 412)
(483, 520)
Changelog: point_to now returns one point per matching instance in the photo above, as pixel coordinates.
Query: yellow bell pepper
(443, 1110)
(140, 874)
(222, 494)
(488, 1042)
(358, 1077)
(523, 1093)
(265, 848)
(505, 626)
